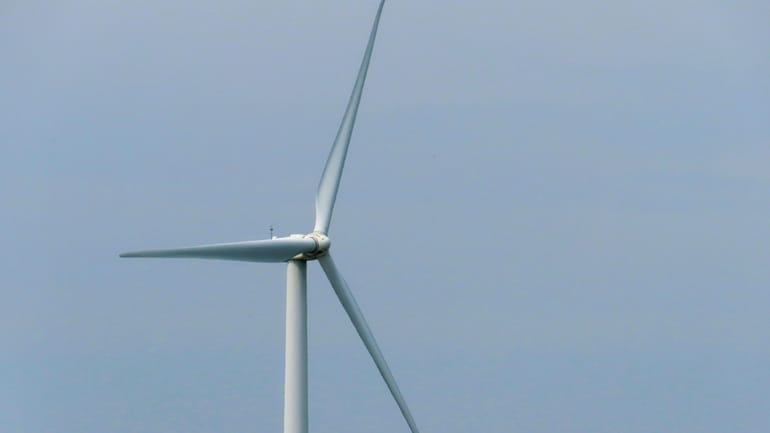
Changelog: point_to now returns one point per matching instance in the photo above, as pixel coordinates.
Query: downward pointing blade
(270, 250)
(330, 179)
(354, 312)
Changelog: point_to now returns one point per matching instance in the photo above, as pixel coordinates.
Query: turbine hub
(322, 244)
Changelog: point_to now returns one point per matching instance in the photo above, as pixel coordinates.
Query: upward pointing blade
(351, 307)
(330, 180)
(269, 251)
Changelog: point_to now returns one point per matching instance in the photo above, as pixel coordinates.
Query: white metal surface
(269, 250)
(295, 418)
(330, 179)
(359, 322)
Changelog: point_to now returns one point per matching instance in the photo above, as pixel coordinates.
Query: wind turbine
(296, 251)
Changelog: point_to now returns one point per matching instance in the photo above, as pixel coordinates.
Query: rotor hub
(322, 244)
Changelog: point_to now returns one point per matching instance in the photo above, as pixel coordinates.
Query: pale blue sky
(554, 215)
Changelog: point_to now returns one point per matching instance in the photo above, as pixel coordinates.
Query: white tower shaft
(295, 399)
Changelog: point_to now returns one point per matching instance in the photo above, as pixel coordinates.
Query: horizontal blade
(330, 179)
(354, 312)
(270, 250)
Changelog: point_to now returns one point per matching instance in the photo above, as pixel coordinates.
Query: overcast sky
(554, 214)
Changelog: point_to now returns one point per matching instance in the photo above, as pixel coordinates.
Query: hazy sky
(554, 214)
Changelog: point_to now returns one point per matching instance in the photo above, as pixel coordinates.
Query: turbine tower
(296, 251)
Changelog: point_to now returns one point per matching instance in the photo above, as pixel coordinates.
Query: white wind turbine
(297, 250)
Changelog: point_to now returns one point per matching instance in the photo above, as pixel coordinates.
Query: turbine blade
(354, 312)
(330, 179)
(270, 250)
